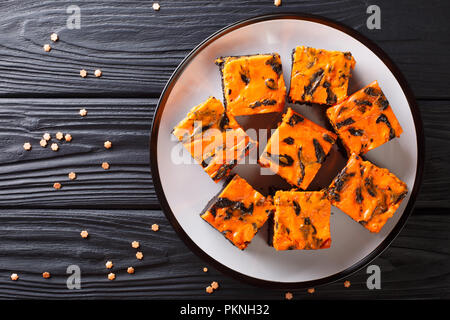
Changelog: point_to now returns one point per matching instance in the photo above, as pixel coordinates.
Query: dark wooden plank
(138, 48)
(34, 241)
(434, 191)
(27, 177)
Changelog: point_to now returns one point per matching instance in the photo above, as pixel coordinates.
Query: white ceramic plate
(185, 189)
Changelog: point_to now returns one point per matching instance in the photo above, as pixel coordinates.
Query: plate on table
(184, 189)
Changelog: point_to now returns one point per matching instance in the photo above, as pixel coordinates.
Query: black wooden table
(137, 49)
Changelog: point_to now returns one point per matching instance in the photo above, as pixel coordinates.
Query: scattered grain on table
(72, 175)
(54, 37)
(84, 234)
(68, 137)
(135, 244)
(83, 73)
(27, 146)
(59, 135)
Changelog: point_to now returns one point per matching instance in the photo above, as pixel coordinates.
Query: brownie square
(365, 120)
(213, 138)
(297, 149)
(252, 84)
(301, 220)
(238, 212)
(368, 194)
(320, 76)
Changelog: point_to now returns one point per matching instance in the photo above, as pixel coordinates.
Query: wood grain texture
(434, 191)
(27, 177)
(34, 241)
(138, 48)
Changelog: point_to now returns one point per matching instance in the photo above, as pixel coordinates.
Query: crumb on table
(72, 175)
(215, 285)
(46, 275)
(105, 165)
(98, 73)
(84, 234)
(47, 47)
(83, 73)
(54, 37)
(288, 295)
(83, 112)
(109, 264)
(47, 136)
(347, 284)
(155, 227)
(130, 270)
(111, 276)
(43, 143)
(14, 277)
(108, 144)
(59, 135)
(209, 289)
(68, 137)
(57, 185)
(139, 255)
(55, 147)
(27, 146)
(135, 244)
(311, 290)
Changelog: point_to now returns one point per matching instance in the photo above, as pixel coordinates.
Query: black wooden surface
(137, 50)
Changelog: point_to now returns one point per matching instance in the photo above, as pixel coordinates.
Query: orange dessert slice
(368, 194)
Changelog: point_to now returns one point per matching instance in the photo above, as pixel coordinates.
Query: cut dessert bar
(238, 212)
(367, 193)
(301, 220)
(297, 149)
(364, 120)
(319, 76)
(214, 138)
(252, 84)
